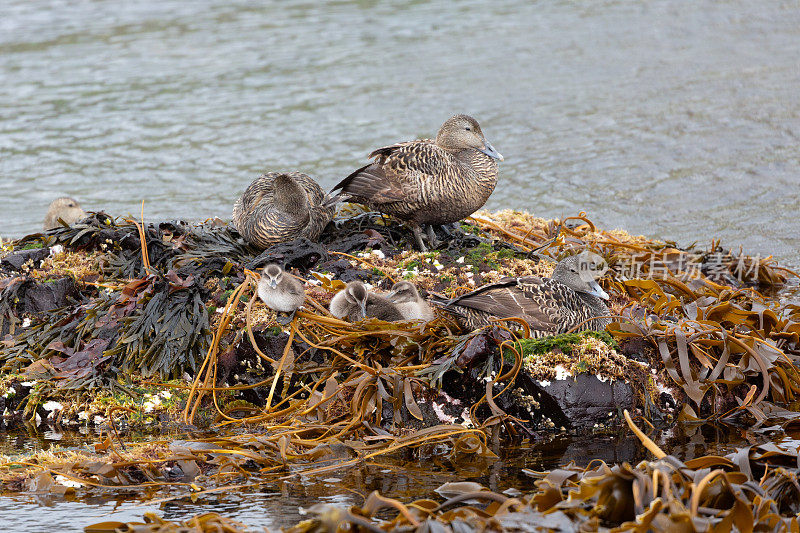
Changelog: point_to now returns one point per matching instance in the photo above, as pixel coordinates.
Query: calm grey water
(675, 119)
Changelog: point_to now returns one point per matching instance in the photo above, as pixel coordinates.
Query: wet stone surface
(584, 400)
(15, 260)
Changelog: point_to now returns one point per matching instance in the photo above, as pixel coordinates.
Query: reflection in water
(676, 119)
(406, 477)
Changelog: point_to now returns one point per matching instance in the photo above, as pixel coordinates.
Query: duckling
(280, 291)
(67, 209)
(405, 296)
(355, 303)
(280, 207)
(550, 306)
(428, 181)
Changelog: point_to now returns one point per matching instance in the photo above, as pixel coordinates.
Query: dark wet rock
(300, 253)
(477, 346)
(584, 401)
(40, 297)
(359, 241)
(342, 270)
(15, 260)
(637, 348)
(241, 365)
(436, 407)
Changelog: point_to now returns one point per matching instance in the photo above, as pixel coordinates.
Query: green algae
(565, 342)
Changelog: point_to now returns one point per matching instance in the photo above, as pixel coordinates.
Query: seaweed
(175, 299)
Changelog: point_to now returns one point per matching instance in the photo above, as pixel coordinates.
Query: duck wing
(396, 173)
(529, 298)
(315, 193)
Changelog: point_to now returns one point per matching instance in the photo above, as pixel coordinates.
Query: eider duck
(428, 181)
(280, 291)
(550, 306)
(355, 303)
(405, 296)
(67, 209)
(280, 207)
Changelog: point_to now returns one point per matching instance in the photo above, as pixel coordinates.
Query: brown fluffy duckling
(67, 209)
(280, 291)
(355, 303)
(428, 181)
(406, 297)
(280, 207)
(550, 306)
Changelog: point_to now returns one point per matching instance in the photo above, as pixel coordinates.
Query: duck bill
(489, 150)
(362, 306)
(391, 295)
(597, 290)
(273, 283)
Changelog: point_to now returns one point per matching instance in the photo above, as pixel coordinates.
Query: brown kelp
(750, 489)
(697, 334)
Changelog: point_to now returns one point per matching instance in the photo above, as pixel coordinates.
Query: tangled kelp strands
(752, 489)
(132, 309)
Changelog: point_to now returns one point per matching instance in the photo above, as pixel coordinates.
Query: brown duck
(550, 306)
(64, 208)
(280, 207)
(428, 181)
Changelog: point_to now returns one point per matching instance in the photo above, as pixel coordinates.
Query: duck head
(462, 132)
(67, 209)
(403, 291)
(356, 294)
(272, 275)
(572, 273)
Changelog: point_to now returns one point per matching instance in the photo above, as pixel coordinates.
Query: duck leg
(285, 320)
(450, 229)
(418, 237)
(388, 231)
(432, 240)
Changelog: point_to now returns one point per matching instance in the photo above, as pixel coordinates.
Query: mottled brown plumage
(550, 306)
(67, 209)
(280, 207)
(428, 181)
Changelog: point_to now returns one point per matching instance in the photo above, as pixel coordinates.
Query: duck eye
(468, 128)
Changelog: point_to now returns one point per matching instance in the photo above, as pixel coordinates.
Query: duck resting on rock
(429, 181)
(355, 303)
(64, 208)
(280, 207)
(550, 306)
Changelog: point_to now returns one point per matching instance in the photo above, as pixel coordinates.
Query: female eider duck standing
(280, 207)
(428, 181)
(550, 306)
